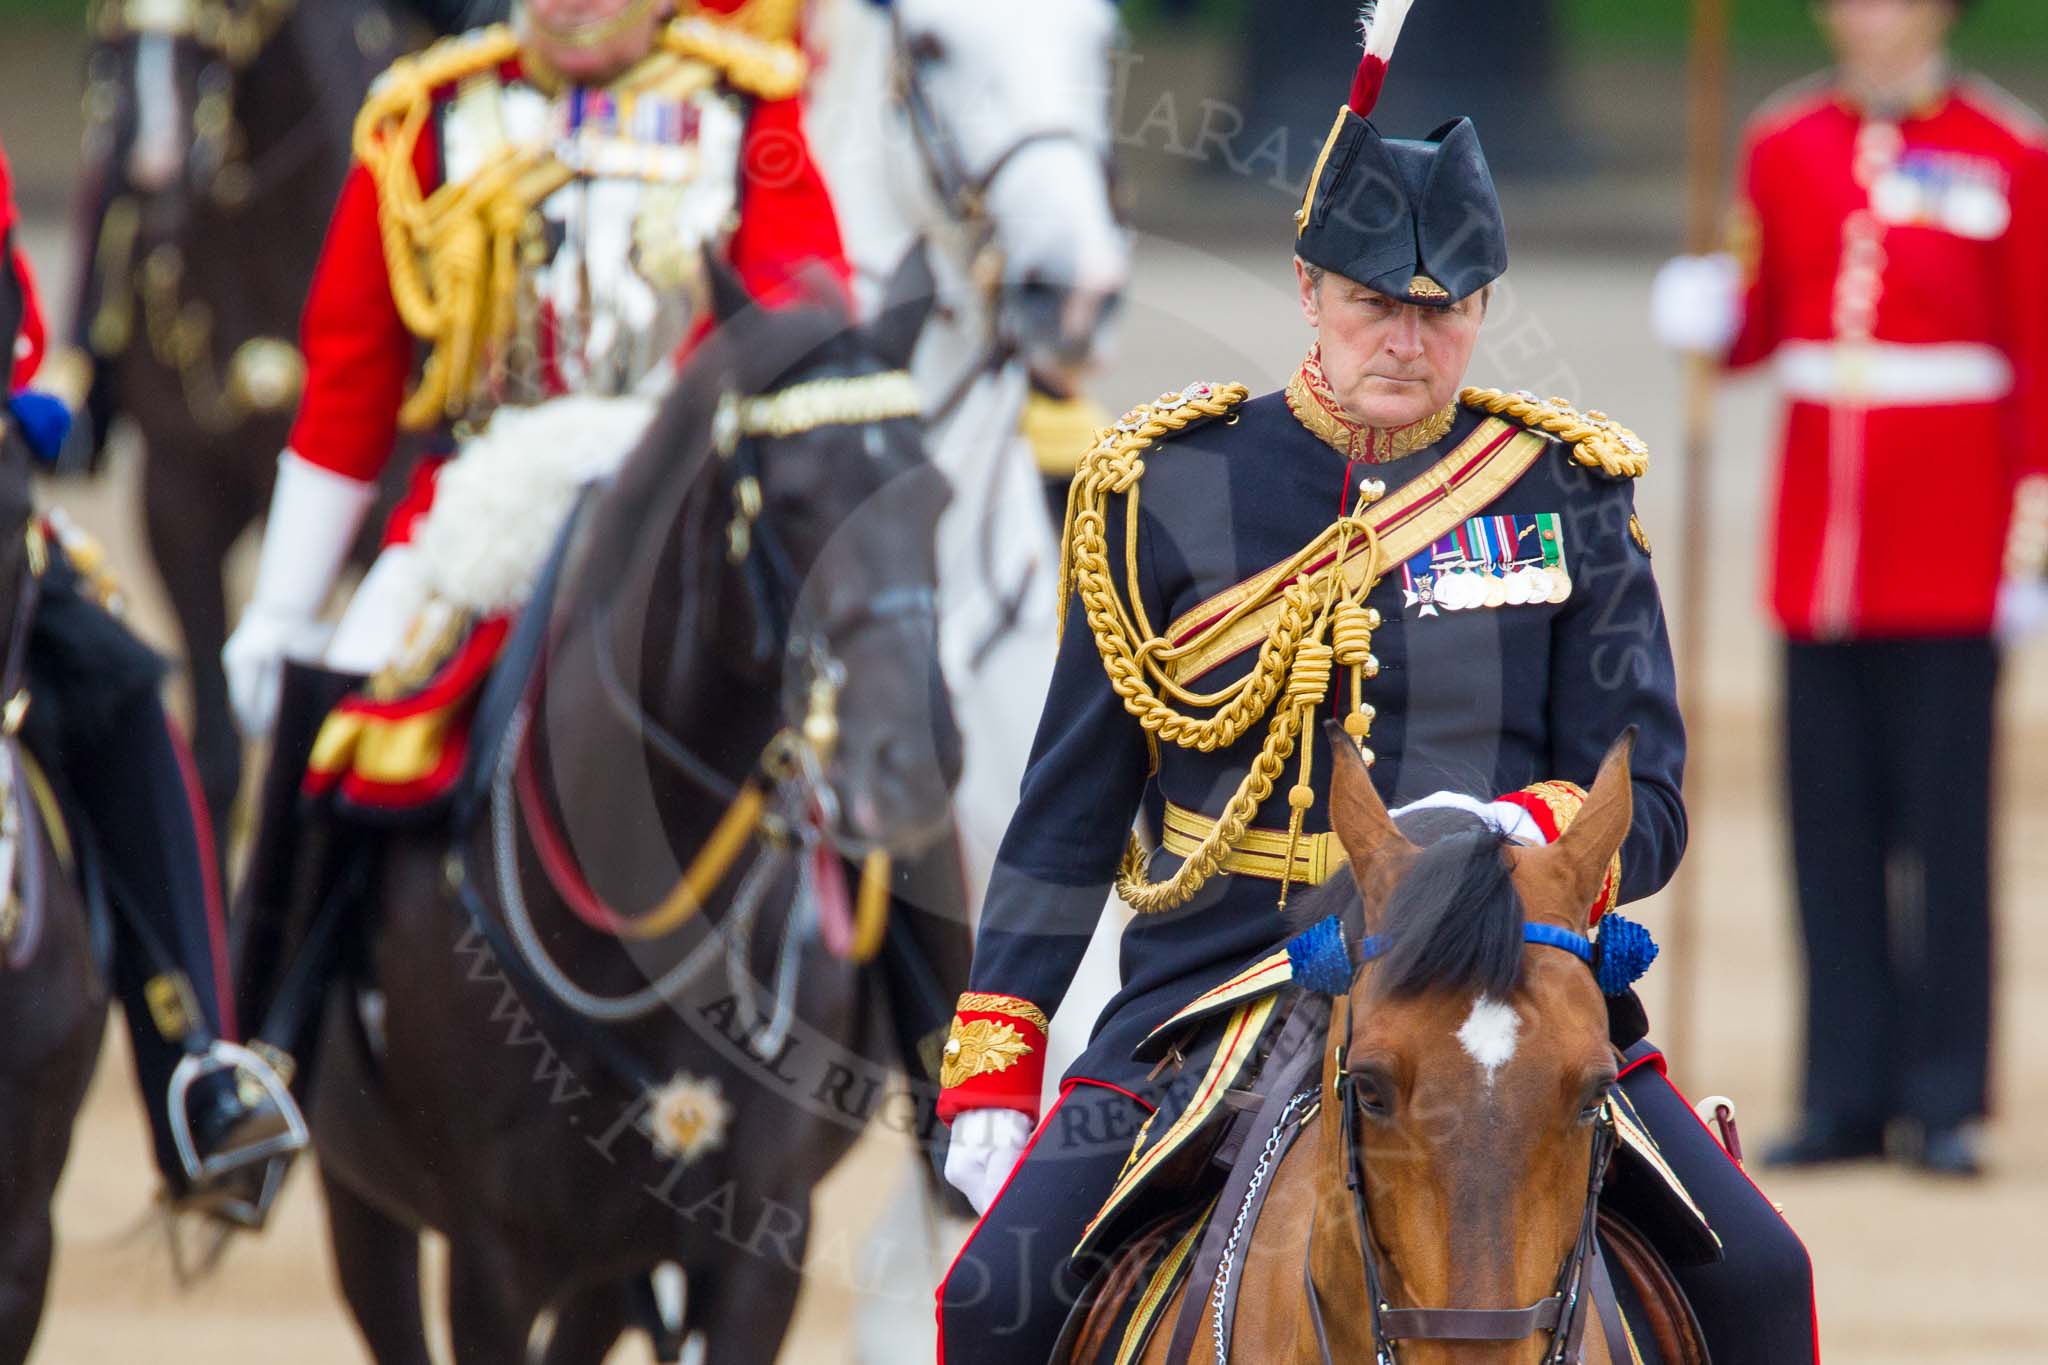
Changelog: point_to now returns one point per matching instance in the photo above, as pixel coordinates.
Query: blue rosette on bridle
(1320, 958)
(1622, 954)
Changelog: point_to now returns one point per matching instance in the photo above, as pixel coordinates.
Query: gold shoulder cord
(1597, 440)
(452, 255)
(1295, 656)
(1323, 624)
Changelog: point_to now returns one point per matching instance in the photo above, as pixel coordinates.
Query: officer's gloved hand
(1696, 303)
(986, 1146)
(253, 660)
(2022, 609)
(1506, 816)
(314, 515)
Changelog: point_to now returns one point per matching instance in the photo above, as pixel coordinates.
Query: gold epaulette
(1111, 464)
(771, 68)
(1597, 441)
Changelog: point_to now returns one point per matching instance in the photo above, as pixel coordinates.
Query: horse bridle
(739, 425)
(1563, 1313)
(962, 190)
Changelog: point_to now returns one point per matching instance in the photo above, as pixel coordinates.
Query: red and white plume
(1379, 26)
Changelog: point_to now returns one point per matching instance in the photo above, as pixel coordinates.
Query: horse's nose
(1059, 324)
(898, 793)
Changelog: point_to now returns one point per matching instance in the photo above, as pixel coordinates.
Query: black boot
(1819, 1141)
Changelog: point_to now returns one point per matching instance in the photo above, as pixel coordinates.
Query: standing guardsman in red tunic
(90, 716)
(532, 206)
(1891, 261)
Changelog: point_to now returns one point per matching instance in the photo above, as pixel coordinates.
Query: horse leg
(24, 1276)
(743, 1308)
(190, 532)
(378, 1259)
(588, 1324)
(490, 1319)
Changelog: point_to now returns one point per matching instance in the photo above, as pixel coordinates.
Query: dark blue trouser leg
(1007, 1295)
(1756, 1303)
(129, 779)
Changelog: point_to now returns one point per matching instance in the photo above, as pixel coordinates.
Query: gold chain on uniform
(1294, 655)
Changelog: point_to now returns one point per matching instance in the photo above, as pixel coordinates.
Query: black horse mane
(1454, 920)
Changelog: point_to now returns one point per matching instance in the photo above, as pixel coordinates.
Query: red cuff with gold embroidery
(995, 1056)
(1553, 805)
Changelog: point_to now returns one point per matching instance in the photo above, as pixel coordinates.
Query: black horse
(214, 152)
(746, 611)
(53, 994)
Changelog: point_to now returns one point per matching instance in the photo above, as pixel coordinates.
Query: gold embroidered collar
(1314, 404)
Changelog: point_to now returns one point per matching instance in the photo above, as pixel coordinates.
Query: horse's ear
(1373, 843)
(729, 296)
(1580, 857)
(906, 306)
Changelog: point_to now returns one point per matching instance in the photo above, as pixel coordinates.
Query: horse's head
(1479, 1061)
(194, 96)
(1007, 102)
(802, 567)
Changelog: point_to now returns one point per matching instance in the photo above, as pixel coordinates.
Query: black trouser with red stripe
(98, 727)
(1009, 1291)
(1888, 771)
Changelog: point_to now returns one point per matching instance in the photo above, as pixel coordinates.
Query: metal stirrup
(272, 1153)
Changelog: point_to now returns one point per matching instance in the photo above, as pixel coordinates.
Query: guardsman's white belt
(1886, 374)
(1260, 853)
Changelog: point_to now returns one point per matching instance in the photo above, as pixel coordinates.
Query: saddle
(1195, 1183)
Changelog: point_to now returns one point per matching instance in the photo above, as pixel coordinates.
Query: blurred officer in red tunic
(1890, 259)
(533, 204)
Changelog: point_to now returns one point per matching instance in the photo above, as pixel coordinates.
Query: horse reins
(794, 759)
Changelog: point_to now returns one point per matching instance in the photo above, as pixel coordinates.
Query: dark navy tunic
(1483, 701)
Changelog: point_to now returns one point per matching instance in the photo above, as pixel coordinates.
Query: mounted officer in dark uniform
(1456, 575)
(90, 715)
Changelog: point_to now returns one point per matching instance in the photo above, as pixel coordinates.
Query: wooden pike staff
(1705, 117)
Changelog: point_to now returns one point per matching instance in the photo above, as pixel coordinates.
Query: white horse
(984, 129)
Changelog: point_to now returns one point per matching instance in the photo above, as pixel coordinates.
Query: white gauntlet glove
(1696, 303)
(986, 1146)
(314, 516)
(1506, 816)
(2022, 609)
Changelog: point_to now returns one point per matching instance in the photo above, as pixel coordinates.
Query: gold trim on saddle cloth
(1407, 521)
(1241, 1034)
(1628, 1126)
(1259, 853)
(1159, 1290)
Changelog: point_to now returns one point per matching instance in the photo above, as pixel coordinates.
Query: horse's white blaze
(1489, 1035)
(158, 152)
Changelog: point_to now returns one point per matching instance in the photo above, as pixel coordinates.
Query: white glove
(986, 1146)
(1509, 818)
(1696, 303)
(314, 516)
(2022, 608)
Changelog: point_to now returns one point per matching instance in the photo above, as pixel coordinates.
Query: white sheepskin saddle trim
(499, 504)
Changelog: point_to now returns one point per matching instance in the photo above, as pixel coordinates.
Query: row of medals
(1465, 589)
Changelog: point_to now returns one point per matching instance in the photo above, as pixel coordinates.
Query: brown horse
(1434, 1198)
(217, 139)
(53, 995)
(572, 1098)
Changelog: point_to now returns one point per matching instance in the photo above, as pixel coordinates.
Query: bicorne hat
(1415, 220)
